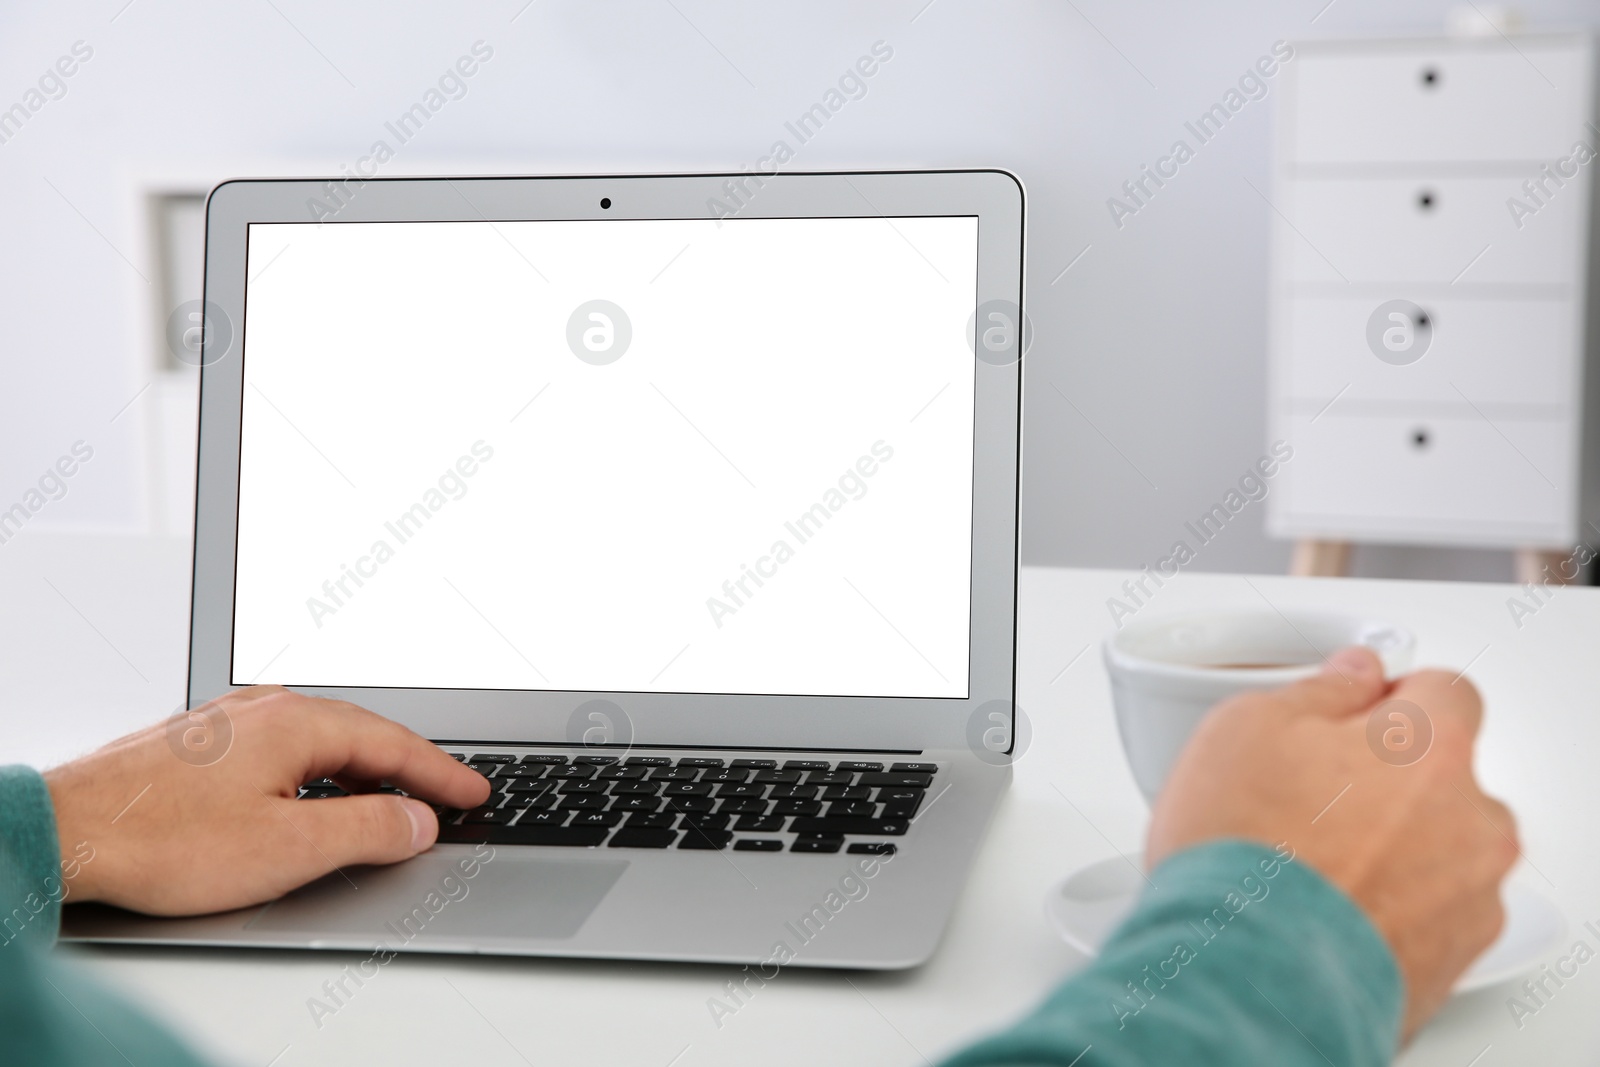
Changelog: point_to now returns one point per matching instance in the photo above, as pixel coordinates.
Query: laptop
(683, 507)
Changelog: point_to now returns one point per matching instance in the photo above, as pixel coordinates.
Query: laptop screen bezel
(555, 717)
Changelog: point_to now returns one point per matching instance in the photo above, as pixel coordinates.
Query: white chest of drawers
(1398, 171)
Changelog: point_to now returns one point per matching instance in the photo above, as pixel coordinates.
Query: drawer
(1437, 101)
(1431, 230)
(1435, 479)
(1496, 352)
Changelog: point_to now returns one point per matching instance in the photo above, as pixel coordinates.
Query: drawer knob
(1426, 199)
(1430, 78)
(1399, 332)
(1419, 438)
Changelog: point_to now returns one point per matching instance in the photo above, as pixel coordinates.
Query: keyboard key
(760, 824)
(584, 785)
(543, 818)
(793, 792)
(900, 794)
(595, 818)
(320, 792)
(487, 768)
(545, 758)
(685, 789)
(872, 848)
(493, 757)
(735, 790)
(463, 833)
(583, 802)
(525, 801)
(621, 774)
(649, 761)
(488, 816)
(850, 808)
(674, 774)
(641, 821)
(777, 777)
(755, 764)
(807, 765)
(635, 789)
(595, 761)
(726, 776)
(847, 792)
(699, 761)
(817, 843)
(916, 768)
(757, 844)
(635, 804)
(917, 779)
(900, 809)
(702, 820)
(707, 839)
(632, 837)
(576, 836)
(743, 806)
(876, 827)
(857, 765)
(523, 770)
(578, 770)
(457, 756)
(690, 804)
(530, 786)
(829, 778)
(796, 807)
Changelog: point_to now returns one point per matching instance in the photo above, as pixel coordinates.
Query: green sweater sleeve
(50, 1014)
(1235, 954)
(31, 886)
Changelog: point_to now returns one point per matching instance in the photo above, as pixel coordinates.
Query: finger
(373, 828)
(1351, 681)
(1501, 817)
(1508, 845)
(255, 692)
(354, 743)
(1446, 698)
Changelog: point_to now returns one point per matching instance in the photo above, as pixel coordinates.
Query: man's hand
(1419, 847)
(173, 838)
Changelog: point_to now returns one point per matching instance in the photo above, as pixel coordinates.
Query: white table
(103, 651)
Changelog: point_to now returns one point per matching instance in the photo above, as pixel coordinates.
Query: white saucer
(1090, 903)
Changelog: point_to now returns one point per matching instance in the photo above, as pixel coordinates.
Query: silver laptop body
(582, 414)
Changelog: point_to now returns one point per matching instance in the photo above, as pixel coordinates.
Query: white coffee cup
(1166, 673)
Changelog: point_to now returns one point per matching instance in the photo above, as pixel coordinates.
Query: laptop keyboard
(688, 802)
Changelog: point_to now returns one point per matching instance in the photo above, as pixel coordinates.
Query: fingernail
(423, 825)
(1355, 661)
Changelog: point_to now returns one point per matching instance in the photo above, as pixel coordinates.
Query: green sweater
(1233, 957)
(52, 1015)
(1237, 956)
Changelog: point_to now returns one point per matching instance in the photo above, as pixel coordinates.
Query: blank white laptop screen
(615, 456)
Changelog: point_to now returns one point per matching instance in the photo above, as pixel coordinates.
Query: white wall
(1156, 335)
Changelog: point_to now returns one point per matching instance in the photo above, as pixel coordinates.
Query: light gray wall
(1146, 396)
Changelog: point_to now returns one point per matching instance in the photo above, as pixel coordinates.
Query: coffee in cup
(1166, 673)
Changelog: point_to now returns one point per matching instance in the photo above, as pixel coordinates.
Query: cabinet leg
(1320, 559)
(1540, 565)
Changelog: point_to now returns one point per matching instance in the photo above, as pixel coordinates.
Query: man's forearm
(1235, 955)
(49, 1014)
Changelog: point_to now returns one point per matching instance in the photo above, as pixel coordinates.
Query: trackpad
(454, 896)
